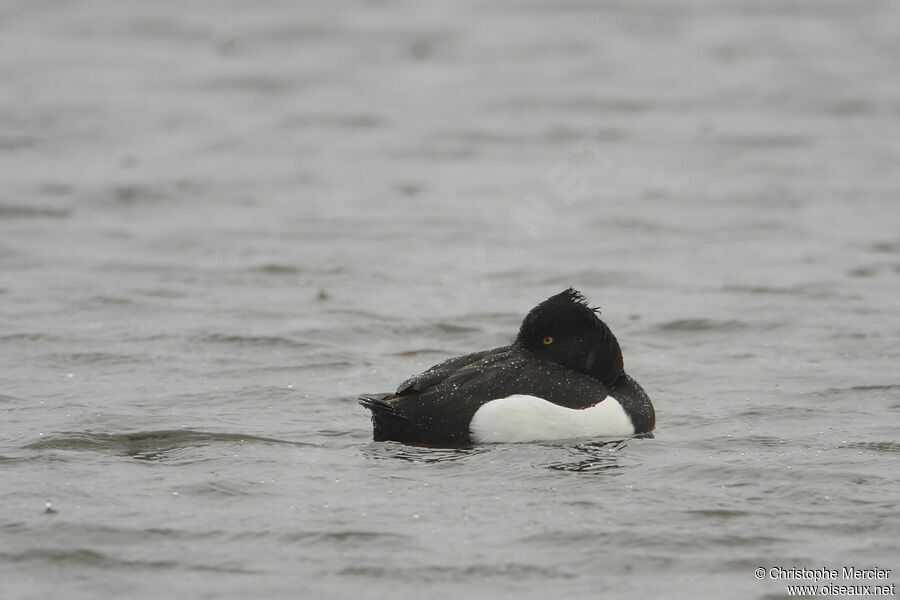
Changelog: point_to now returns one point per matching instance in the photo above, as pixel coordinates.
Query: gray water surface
(220, 222)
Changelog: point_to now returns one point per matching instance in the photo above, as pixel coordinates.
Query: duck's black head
(565, 330)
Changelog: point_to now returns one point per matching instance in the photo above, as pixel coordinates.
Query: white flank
(522, 418)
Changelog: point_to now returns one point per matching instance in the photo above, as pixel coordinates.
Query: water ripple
(454, 573)
(253, 340)
(12, 211)
(874, 446)
(83, 557)
(341, 537)
(147, 445)
(419, 454)
(698, 325)
(591, 457)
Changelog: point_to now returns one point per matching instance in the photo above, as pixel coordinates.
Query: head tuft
(565, 329)
(576, 297)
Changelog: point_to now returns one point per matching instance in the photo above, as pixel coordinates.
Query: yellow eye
(548, 340)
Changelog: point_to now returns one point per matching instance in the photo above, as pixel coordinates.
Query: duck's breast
(524, 418)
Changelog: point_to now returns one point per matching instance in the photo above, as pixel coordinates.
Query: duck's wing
(391, 415)
(513, 371)
(636, 403)
(446, 369)
(429, 378)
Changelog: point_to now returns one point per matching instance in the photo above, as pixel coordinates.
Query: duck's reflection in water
(419, 454)
(585, 457)
(591, 457)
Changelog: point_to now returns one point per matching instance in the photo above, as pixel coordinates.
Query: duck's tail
(378, 404)
(387, 421)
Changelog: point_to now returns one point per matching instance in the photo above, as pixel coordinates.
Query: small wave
(886, 247)
(766, 440)
(738, 541)
(811, 290)
(90, 358)
(635, 224)
(420, 352)
(134, 194)
(104, 301)
(220, 489)
(78, 556)
(167, 293)
(84, 557)
(563, 539)
(874, 388)
(253, 340)
(353, 399)
(718, 513)
(845, 107)
(873, 446)
(588, 104)
(17, 142)
(251, 82)
(862, 272)
(12, 211)
(363, 314)
(765, 140)
(762, 289)
(147, 445)
(855, 389)
(332, 121)
(456, 573)
(276, 269)
(444, 328)
(293, 368)
(342, 537)
(697, 325)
